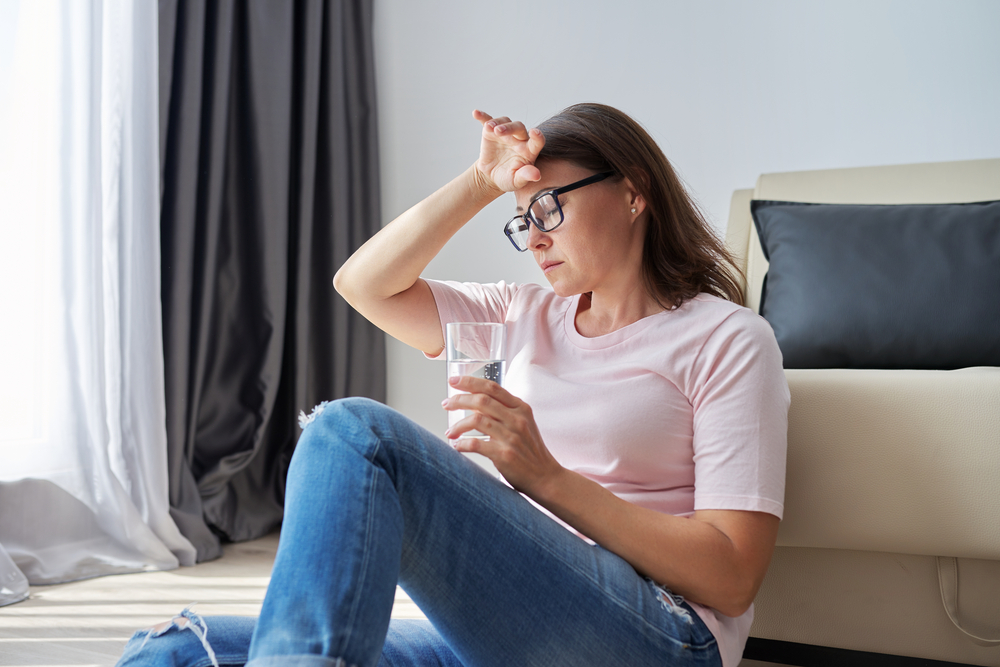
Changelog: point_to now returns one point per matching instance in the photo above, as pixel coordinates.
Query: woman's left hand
(515, 446)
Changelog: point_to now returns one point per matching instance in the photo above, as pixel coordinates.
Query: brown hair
(681, 255)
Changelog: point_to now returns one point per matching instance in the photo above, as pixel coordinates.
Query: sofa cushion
(891, 287)
(895, 461)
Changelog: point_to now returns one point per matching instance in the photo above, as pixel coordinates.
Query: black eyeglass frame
(527, 215)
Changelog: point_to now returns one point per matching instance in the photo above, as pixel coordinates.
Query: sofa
(889, 550)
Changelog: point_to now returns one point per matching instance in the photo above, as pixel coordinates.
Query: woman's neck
(600, 313)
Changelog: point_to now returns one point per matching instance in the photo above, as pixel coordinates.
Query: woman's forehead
(555, 173)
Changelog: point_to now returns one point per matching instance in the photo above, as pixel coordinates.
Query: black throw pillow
(892, 287)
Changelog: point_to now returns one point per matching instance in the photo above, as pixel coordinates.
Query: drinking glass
(475, 349)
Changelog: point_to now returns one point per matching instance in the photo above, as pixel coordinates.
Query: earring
(633, 209)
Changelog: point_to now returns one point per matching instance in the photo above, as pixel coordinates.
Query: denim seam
(613, 598)
(271, 659)
(352, 618)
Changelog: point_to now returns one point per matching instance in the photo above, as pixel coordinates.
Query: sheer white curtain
(83, 467)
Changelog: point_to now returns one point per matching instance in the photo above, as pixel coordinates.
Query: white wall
(730, 89)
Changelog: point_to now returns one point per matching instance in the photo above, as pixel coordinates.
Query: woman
(644, 409)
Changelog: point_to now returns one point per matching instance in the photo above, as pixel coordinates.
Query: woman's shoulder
(712, 312)
(734, 330)
(708, 323)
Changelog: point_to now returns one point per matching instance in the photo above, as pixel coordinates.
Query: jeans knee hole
(186, 620)
(305, 420)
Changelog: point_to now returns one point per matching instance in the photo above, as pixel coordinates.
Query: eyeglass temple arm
(579, 184)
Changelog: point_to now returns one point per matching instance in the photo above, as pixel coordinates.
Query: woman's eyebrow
(535, 194)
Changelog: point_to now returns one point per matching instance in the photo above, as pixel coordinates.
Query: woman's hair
(681, 255)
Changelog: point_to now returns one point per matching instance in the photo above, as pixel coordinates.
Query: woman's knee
(357, 422)
(337, 436)
(352, 417)
(342, 433)
(327, 411)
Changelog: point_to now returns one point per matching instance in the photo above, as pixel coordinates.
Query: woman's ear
(636, 202)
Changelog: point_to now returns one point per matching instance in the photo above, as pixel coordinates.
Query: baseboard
(807, 655)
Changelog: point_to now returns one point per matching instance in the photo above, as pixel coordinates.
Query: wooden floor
(86, 623)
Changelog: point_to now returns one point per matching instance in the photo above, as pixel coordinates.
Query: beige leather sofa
(891, 538)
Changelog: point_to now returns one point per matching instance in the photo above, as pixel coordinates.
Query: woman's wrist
(482, 189)
(554, 489)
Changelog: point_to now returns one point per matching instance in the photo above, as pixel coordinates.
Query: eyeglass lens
(518, 230)
(544, 212)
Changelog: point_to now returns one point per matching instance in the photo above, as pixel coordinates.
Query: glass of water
(476, 349)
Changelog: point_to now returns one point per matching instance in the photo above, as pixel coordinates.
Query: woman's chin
(562, 289)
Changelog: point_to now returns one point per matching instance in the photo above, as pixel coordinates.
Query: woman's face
(595, 246)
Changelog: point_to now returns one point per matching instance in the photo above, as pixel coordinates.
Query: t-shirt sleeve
(740, 418)
(471, 302)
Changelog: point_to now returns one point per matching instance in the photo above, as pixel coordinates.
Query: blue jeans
(373, 499)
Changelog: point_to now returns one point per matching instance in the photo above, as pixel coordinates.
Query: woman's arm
(382, 279)
(717, 558)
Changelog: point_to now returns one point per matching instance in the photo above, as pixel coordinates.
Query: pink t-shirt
(681, 411)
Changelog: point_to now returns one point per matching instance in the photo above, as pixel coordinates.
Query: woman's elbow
(733, 606)
(736, 608)
(740, 597)
(342, 282)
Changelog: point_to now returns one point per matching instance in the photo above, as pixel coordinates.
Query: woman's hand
(515, 446)
(507, 152)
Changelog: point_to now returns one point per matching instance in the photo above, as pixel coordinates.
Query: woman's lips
(548, 266)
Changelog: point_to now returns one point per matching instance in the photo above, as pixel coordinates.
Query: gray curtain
(270, 181)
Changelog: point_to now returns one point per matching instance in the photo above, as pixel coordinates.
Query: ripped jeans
(373, 499)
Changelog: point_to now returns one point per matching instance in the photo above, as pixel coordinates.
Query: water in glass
(491, 369)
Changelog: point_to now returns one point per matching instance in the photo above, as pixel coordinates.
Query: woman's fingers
(503, 125)
(481, 413)
(490, 447)
(476, 421)
(478, 409)
(515, 129)
(508, 151)
(474, 385)
(514, 444)
(529, 173)
(488, 121)
(500, 445)
(488, 405)
(536, 141)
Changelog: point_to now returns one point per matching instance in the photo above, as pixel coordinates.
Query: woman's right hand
(508, 152)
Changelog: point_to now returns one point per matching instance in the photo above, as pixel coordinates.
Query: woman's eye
(548, 206)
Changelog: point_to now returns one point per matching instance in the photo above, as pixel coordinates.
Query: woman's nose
(537, 239)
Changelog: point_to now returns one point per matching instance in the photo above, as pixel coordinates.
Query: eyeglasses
(544, 212)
